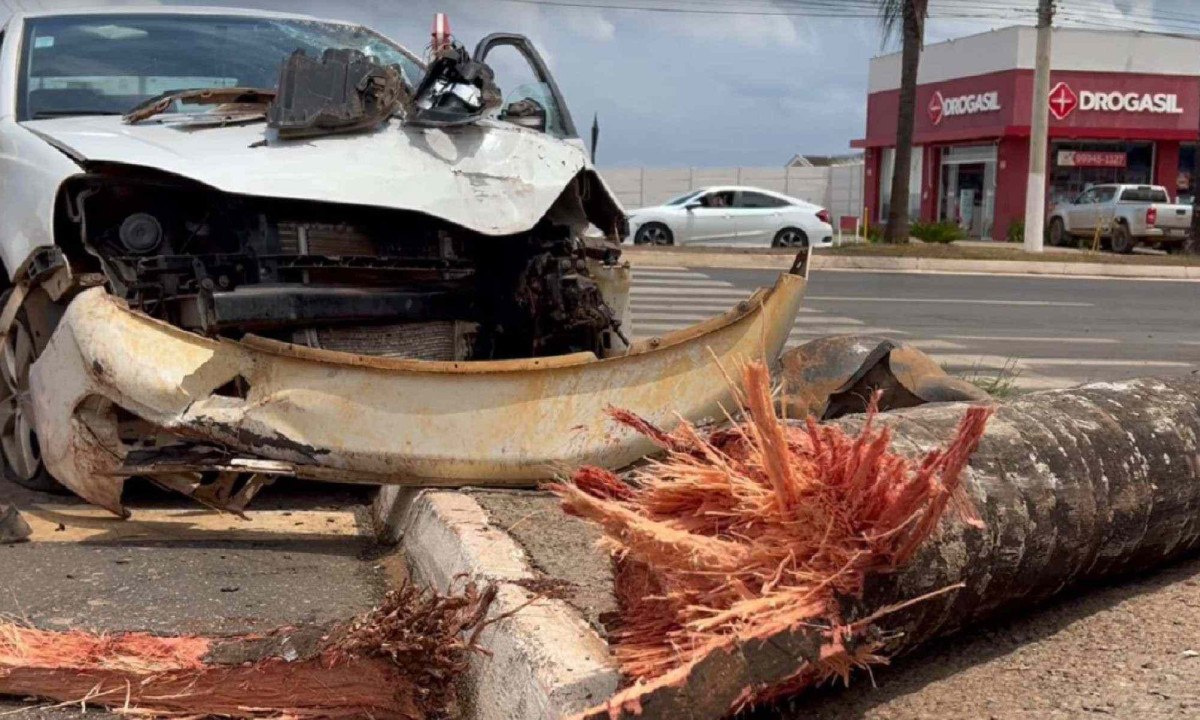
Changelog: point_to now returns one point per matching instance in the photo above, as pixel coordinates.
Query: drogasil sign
(1064, 101)
(941, 107)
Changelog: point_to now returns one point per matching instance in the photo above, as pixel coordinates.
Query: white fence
(838, 188)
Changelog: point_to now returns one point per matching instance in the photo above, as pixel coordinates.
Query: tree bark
(910, 58)
(1072, 486)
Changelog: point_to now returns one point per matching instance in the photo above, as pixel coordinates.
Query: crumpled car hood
(490, 177)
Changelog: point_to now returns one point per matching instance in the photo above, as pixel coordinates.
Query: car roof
(200, 10)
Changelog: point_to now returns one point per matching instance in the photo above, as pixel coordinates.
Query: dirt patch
(560, 547)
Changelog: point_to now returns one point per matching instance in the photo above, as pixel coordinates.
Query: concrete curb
(546, 661)
(776, 261)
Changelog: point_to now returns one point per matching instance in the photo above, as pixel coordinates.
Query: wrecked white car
(242, 245)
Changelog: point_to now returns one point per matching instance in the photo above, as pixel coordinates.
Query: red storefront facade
(972, 133)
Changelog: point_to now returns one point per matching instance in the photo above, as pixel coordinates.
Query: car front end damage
(119, 393)
(344, 296)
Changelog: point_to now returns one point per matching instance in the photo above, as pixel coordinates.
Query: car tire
(20, 452)
(1122, 241)
(790, 237)
(654, 233)
(1058, 232)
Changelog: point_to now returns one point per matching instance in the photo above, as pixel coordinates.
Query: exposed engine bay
(347, 277)
(368, 280)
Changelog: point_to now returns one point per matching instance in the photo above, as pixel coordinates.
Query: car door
(1080, 213)
(710, 218)
(757, 217)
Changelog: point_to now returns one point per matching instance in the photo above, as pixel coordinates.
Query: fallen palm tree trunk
(399, 661)
(1069, 486)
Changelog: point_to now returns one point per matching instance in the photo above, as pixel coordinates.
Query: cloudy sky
(675, 89)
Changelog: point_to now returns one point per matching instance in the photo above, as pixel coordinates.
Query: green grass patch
(1000, 383)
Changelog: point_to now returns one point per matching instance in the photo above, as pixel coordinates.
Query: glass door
(967, 194)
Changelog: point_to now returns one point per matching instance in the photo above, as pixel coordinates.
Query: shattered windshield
(107, 64)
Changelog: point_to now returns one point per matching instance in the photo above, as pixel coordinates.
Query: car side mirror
(693, 205)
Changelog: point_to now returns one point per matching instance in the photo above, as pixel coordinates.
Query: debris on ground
(13, 528)
(834, 376)
(748, 532)
(399, 661)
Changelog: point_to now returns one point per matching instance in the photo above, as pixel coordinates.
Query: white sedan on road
(732, 216)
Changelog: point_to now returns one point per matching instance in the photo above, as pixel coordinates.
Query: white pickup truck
(1126, 215)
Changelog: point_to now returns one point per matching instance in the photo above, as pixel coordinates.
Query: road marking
(689, 318)
(1019, 274)
(710, 292)
(951, 301)
(673, 282)
(845, 330)
(999, 361)
(1023, 338)
(640, 275)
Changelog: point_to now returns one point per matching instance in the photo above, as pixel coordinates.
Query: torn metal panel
(354, 417)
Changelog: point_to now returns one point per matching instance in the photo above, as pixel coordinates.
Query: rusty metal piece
(13, 528)
(242, 98)
(355, 418)
(834, 376)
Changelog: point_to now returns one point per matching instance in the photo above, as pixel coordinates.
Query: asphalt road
(304, 557)
(1053, 332)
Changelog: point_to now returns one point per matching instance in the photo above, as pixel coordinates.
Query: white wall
(840, 189)
(1013, 48)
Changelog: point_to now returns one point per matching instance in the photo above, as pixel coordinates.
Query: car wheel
(1058, 232)
(654, 234)
(20, 451)
(1122, 241)
(790, 238)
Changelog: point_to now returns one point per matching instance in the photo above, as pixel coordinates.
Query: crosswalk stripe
(691, 318)
(671, 282)
(1023, 338)
(640, 275)
(683, 291)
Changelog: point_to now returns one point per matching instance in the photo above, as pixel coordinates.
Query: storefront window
(967, 193)
(1076, 166)
(915, 177)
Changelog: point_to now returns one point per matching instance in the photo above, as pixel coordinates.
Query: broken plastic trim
(456, 90)
(342, 91)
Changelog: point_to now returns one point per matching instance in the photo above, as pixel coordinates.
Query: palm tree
(906, 17)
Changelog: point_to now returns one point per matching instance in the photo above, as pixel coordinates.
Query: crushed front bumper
(264, 407)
